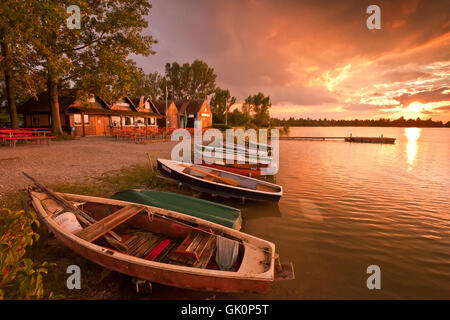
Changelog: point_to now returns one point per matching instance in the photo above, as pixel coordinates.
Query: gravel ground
(72, 160)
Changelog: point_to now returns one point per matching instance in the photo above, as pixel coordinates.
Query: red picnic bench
(14, 135)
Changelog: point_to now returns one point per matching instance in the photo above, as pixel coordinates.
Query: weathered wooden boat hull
(184, 280)
(172, 275)
(219, 189)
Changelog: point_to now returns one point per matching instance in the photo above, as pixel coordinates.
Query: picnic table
(25, 134)
(140, 134)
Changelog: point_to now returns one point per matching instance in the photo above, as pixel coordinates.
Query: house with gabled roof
(91, 116)
(184, 113)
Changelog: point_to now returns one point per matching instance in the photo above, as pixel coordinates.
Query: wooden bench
(100, 228)
(16, 137)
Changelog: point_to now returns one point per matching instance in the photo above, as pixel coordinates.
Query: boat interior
(156, 237)
(209, 174)
(234, 163)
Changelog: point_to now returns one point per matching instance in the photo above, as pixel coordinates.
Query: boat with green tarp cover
(211, 211)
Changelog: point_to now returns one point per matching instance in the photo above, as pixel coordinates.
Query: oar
(112, 237)
(226, 180)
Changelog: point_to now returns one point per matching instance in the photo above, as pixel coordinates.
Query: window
(115, 121)
(128, 121)
(35, 120)
(77, 119)
(140, 121)
(151, 121)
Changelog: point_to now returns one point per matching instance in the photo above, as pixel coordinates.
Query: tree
(220, 103)
(238, 118)
(15, 58)
(259, 105)
(94, 57)
(189, 81)
(150, 85)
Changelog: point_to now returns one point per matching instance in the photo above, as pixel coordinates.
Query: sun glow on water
(412, 134)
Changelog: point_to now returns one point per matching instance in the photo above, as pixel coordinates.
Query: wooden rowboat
(163, 246)
(232, 154)
(220, 182)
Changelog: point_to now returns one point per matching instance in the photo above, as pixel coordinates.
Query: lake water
(347, 206)
(350, 205)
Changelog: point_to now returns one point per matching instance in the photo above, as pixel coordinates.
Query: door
(100, 126)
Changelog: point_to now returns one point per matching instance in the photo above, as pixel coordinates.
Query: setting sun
(415, 107)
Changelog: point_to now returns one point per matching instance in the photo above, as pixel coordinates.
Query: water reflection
(412, 134)
(255, 210)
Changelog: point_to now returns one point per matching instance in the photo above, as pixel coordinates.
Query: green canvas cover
(207, 210)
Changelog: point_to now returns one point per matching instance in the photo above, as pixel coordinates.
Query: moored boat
(208, 210)
(220, 182)
(232, 154)
(261, 149)
(160, 245)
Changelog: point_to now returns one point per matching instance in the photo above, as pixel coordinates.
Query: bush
(20, 277)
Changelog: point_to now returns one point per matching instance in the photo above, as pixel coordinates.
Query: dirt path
(73, 160)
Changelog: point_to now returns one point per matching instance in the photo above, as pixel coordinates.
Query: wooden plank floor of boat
(143, 244)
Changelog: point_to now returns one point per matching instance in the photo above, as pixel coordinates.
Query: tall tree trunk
(9, 84)
(52, 86)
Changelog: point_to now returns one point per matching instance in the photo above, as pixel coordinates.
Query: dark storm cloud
(364, 107)
(443, 108)
(425, 96)
(406, 75)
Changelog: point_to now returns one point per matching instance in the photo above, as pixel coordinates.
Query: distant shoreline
(397, 123)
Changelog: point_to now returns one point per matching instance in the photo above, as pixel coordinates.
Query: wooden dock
(348, 139)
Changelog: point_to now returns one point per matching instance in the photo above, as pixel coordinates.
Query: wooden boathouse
(90, 116)
(184, 113)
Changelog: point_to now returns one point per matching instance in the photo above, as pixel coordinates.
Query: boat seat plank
(211, 178)
(108, 223)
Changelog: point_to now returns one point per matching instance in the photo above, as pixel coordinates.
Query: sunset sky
(315, 58)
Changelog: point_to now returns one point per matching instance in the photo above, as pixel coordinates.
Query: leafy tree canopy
(188, 81)
(259, 106)
(220, 103)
